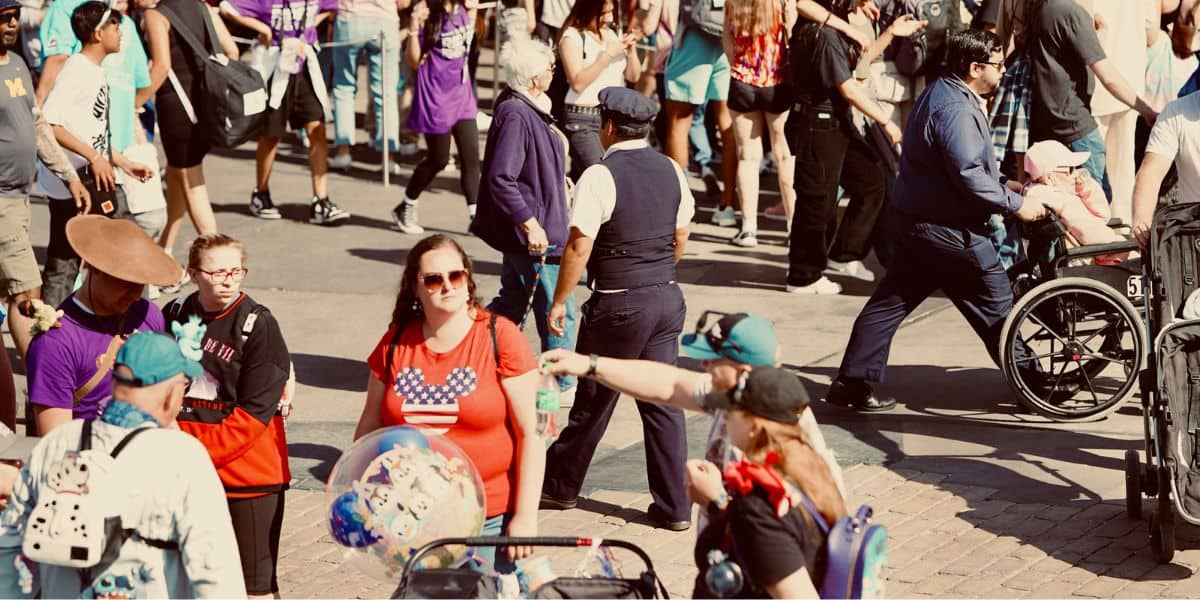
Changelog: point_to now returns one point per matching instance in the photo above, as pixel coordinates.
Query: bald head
(162, 400)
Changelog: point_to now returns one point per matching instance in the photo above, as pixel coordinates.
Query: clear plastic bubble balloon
(398, 489)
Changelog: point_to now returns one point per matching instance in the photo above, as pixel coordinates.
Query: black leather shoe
(857, 394)
(662, 521)
(551, 503)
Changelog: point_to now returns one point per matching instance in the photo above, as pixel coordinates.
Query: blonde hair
(211, 241)
(798, 463)
(753, 17)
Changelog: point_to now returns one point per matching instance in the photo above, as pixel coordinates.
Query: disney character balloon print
(400, 488)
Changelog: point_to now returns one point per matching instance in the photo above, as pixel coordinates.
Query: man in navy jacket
(949, 185)
(522, 207)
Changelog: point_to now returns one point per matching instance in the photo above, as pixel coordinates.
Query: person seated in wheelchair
(1076, 199)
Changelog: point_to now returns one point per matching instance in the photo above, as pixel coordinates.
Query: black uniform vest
(636, 247)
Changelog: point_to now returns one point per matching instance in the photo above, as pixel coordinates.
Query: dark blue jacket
(523, 176)
(948, 170)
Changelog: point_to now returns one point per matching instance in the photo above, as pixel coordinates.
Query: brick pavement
(945, 540)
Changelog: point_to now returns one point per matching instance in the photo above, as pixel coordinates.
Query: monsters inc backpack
(855, 553)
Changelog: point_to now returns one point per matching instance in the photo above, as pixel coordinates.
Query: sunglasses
(436, 282)
(10, 15)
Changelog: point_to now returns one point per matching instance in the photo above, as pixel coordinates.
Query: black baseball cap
(768, 392)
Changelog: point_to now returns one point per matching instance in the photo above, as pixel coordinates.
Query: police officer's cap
(626, 106)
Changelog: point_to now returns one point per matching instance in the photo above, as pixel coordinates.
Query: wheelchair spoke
(1108, 359)
(1088, 380)
(1043, 325)
(1037, 357)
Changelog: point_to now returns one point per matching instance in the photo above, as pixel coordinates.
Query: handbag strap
(104, 365)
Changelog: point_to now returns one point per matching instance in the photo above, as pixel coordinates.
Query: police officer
(949, 185)
(629, 225)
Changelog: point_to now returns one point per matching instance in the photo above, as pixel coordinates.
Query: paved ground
(980, 499)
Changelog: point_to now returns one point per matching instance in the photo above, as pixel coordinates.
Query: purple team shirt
(61, 360)
(444, 95)
(288, 19)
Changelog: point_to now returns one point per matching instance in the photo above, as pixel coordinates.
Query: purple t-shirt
(61, 360)
(444, 94)
(287, 18)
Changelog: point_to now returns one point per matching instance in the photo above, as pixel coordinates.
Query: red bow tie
(743, 476)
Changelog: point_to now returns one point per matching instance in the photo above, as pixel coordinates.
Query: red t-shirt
(458, 394)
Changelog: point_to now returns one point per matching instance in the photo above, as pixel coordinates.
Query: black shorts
(185, 143)
(746, 98)
(257, 523)
(299, 107)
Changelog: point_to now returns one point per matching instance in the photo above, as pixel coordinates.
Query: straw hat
(121, 249)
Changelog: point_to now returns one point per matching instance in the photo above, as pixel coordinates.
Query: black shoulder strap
(495, 344)
(251, 319)
(174, 308)
(85, 437)
(125, 441)
(184, 32)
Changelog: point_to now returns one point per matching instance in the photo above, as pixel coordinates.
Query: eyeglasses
(223, 275)
(436, 282)
(999, 65)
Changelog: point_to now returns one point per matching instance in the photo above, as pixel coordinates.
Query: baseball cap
(1049, 156)
(740, 337)
(153, 358)
(769, 392)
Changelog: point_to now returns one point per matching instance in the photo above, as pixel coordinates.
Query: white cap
(1049, 156)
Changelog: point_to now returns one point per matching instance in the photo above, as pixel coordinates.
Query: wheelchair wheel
(1085, 344)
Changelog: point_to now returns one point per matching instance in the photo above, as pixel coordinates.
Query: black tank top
(183, 61)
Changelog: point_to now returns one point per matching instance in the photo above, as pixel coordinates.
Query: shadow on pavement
(331, 372)
(396, 256)
(318, 460)
(1022, 477)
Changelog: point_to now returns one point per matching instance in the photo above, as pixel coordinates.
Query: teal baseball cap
(153, 358)
(740, 337)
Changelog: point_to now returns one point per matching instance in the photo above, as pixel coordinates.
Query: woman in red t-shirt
(442, 375)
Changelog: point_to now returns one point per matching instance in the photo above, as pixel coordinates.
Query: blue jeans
(516, 279)
(383, 73)
(1095, 165)
(492, 526)
(698, 136)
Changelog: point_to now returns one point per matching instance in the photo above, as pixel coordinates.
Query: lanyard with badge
(292, 49)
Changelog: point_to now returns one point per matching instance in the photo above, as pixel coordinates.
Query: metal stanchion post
(496, 58)
(389, 87)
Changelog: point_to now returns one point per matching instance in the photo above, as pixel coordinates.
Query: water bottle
(547, 408)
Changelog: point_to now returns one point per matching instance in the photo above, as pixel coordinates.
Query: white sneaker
(471, 212)
(854, 268)
(820, 287)
(404, 216)
(724, 217)
(407, 149)
(340, 161)
(483, 121)
(745, 239)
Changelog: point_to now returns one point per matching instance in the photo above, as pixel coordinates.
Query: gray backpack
(706, 17)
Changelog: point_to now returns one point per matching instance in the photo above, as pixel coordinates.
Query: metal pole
(389, 87)
(496, 59)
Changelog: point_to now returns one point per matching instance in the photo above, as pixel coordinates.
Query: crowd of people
(943, 129)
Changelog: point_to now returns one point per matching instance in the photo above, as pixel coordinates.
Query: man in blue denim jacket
(948, 186)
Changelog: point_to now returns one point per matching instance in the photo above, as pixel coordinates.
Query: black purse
(448, 583)
(111, 203)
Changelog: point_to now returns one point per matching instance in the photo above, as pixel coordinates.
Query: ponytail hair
(799, 464)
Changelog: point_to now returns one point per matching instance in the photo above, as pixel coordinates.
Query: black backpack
(925, 52)
(235, 97)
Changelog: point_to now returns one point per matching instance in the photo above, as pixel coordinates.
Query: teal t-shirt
(126, 71)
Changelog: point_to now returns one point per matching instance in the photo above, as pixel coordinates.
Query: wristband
(718, 504)
(592, 361)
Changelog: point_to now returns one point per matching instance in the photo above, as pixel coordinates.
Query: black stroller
(1170, 383)
(465, 583)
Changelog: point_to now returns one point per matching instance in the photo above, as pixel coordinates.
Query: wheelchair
(1073, 345)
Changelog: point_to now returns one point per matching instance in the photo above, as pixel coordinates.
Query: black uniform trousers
(642, 323)
(926, 258)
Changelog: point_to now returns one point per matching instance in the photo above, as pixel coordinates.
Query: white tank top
(593, 50)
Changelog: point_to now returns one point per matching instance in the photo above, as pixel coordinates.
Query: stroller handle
(562, 542)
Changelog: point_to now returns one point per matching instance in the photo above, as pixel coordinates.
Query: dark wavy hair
(408, 306)
(585, 16)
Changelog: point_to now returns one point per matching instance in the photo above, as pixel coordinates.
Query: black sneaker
(323, 211)
(262, 207)
(857, 394)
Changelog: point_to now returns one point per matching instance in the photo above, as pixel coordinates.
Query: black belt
(586, 110)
